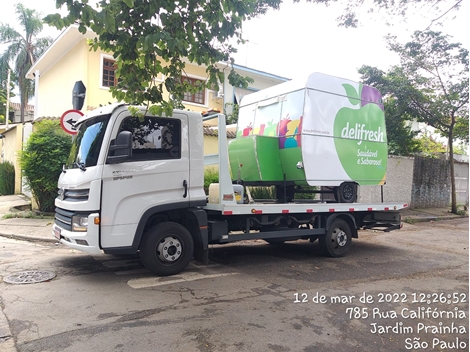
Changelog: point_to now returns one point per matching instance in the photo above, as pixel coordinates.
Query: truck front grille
(63, 218)
(74, 195)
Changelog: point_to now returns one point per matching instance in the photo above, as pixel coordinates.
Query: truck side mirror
(121, 150)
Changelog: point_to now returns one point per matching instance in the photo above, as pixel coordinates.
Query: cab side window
(153, 138)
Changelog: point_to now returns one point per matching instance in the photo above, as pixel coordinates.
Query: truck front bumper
(85, 241)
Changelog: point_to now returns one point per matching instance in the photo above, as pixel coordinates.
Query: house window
(109, 73)
(198, 97)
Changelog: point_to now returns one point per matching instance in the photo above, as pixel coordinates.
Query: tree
(461, 129)
(7, 178)
(431, 85)
(149, 38)
(430, 147)
(400, 136)
(461, 149)
(3, 94)
(231, 111)
(437, 74)
(23, 50)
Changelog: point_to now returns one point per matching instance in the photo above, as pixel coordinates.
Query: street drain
(29, 277)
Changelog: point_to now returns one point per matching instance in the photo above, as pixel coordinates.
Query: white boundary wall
(398, 185)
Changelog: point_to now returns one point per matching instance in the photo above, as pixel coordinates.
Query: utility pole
(7, 112)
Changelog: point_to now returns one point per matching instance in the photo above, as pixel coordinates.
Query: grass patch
(28, 215)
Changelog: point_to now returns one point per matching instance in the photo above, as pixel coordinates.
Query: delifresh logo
(358, 132)
(359, 135)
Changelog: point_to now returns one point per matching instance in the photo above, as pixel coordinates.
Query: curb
(430, 218)
(28, 238)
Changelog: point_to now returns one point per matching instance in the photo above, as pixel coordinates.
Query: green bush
(211, 175)
(263, 192)
(41, 161)
(270, 193)
(306, 195)
(7, 178)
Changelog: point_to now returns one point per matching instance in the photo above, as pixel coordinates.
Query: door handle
(185, 185)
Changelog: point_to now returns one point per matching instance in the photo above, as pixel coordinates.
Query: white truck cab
(107, 190)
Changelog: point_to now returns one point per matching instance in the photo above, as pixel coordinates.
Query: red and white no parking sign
(68, 120)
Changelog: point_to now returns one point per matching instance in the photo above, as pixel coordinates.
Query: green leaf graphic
(352, 94)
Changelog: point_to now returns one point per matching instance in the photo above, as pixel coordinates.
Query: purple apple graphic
(371, 95)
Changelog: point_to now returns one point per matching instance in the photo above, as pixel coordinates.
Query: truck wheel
(166, 249)
(337, 240)
(347, 192)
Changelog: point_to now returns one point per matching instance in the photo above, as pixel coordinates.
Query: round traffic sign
(68, 120)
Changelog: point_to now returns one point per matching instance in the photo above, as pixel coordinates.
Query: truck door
(157, 175)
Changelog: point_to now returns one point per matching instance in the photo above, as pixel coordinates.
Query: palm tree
(23, 50)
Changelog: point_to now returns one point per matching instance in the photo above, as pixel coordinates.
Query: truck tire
(167, 249)
(346, 192)
(337, 240)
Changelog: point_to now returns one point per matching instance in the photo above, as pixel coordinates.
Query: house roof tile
(208, 131)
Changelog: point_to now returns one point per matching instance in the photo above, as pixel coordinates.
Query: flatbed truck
(135, 185)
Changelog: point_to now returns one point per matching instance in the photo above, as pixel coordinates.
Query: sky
(303, 38)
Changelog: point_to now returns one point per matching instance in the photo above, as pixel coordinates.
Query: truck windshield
(86, 145)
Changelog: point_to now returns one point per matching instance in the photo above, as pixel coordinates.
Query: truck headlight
(79, 223)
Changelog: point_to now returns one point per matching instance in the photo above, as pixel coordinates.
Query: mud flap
(197, 221)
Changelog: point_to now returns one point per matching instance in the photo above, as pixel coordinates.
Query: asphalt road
(398, 291)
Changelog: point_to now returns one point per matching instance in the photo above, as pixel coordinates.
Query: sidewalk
(29, 229)
(33, 229)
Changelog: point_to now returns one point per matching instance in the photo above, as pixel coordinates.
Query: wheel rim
(348, 192)
(169, 249)
(339, 238)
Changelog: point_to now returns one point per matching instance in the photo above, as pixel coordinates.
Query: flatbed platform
(296, 208)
